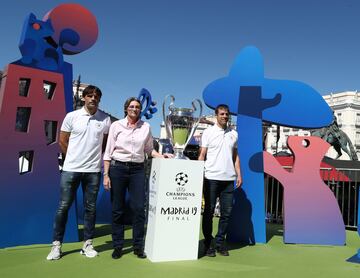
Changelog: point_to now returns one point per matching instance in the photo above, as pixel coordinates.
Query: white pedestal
(175, 195)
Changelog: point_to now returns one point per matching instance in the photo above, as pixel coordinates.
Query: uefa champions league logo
(181, 179)
(178, 191)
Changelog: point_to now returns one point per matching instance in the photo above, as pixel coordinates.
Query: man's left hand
(238, 182)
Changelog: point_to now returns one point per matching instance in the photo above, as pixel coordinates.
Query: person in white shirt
(82, 140)
(222, 168)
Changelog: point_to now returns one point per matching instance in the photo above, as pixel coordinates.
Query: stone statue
(337, 138)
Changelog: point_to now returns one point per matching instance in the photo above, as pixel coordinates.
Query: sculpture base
(355, 259)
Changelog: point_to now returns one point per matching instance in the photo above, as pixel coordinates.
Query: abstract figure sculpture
(311, 211)
(35, 94)
(253, 98)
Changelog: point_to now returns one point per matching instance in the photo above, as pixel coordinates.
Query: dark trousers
(131, 177)
(213, 189)
(69, 184)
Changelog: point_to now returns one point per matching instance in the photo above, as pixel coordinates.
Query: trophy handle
(200, 108)
(167, 128)
(198, 120)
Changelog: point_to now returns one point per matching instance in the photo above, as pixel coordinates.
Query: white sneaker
(88, 249)
(55, 252)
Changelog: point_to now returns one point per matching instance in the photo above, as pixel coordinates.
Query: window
(22, 119)
(49, 89)
(50, 131)
(357, 120)
(357, 139)
(24, 85)
(25, 161)
(339, 119)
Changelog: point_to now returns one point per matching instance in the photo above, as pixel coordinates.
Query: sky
(179, 47)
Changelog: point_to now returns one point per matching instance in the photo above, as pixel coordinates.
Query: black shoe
(117, 253)
(210, 252)
(222, 251)
(140, 253)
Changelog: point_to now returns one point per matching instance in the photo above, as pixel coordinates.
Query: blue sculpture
(41, 83)
(147, 103)
(38, 48)
(254, 98)
(35, 48)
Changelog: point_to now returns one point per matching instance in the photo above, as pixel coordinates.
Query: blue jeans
(213, 189)
(69, 184)
(127, 176)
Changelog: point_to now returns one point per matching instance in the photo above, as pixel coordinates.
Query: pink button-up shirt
(128, 144)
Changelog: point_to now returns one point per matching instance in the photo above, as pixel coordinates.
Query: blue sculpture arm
(147, 103)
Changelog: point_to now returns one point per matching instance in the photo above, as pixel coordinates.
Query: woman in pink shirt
(128, 141)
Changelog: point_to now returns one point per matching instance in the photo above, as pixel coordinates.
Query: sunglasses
(134, 107)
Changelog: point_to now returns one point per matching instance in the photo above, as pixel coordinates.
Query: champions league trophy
(180, 125)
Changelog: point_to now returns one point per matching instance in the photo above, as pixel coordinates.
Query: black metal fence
(344, 189)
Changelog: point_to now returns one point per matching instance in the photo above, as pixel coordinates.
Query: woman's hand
(157, 154)
(168, 155)
(107, 182)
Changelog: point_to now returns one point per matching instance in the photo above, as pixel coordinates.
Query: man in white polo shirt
(222, 168)
(82, 140)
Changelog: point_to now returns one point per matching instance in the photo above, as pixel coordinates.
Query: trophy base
(179, 154)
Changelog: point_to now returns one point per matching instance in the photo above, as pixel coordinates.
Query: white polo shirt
(85, 142)
(220, 144)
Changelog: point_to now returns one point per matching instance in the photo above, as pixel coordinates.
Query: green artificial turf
(273, 259)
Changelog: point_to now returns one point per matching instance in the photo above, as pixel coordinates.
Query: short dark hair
(127, 103)
(222, 107)
(91, 89)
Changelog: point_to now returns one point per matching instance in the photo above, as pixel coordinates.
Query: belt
(128, 163)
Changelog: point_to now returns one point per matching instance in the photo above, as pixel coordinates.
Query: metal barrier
(344, 190)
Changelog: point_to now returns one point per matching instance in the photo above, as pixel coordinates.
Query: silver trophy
(180, 125)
